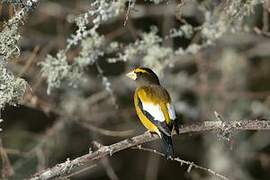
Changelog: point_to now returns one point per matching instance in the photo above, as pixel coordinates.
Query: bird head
(143, 76)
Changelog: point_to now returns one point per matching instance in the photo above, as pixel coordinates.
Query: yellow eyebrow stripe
(140, 70)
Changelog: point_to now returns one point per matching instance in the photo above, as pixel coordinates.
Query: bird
(154, 107)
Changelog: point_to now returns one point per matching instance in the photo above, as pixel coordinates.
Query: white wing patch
(154, 110)
(171, 111)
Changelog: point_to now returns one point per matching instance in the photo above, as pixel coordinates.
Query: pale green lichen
(185, 30)
(139, 48)
(226, 19)
(101, 12)
(56, 69)
(11, 88)
(91, 49)
(148, 50)
(9, 38)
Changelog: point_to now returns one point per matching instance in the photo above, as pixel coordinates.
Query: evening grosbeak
(154, 107)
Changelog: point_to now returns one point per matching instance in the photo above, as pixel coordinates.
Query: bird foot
(151, 133)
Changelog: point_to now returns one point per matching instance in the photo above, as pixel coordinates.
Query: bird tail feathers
(167, 145)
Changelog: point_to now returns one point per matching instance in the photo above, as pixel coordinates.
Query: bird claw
(151, 133)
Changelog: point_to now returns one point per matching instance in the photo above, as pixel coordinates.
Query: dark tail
(167, 145)
(176, 126)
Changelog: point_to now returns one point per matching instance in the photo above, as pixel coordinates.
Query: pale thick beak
(132, 75)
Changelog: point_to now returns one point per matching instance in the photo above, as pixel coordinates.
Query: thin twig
(16, 152)
(131, 4)
(260, 32)
(29, 62)
(190, 164)
(80, 171)
(265, 16)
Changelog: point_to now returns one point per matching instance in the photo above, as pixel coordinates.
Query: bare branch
(106, 163)
(67, 167)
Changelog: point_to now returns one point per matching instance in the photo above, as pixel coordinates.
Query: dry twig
(107, 165)
(181, 161)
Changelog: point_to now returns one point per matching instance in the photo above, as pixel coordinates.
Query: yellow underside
(150, 96)
(145, 121)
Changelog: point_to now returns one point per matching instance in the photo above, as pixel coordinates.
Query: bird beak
(132, 75)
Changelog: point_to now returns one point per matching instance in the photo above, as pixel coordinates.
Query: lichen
(11, 88)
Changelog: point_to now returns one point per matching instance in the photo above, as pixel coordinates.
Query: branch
(107, 165)
(78, 163)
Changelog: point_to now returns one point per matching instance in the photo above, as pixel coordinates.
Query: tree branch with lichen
(69, 166)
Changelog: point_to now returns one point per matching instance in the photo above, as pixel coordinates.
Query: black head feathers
(144, 76)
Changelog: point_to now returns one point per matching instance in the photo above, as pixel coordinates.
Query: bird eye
(139, 73)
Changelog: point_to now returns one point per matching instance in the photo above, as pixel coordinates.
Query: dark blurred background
(212, 55)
